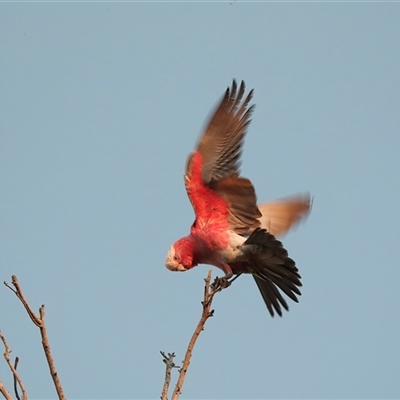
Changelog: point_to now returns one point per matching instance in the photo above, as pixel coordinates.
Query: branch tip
(40, 323)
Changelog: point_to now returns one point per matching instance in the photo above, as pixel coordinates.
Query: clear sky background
(101, 103)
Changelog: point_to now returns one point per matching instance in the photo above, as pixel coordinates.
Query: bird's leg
(224, 282)
(234, 278)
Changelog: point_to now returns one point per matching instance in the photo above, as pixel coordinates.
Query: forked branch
(169, 364)
(209, 291)
(39, 322)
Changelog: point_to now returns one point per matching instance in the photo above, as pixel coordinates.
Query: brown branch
(39, 322)
(19, 294)
(7, 352)
(209, 292)
(169, 364)
(5, 392)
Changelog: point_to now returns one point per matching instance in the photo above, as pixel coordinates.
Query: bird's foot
(221, 283)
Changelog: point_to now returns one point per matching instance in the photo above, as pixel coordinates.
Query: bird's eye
(175, 258)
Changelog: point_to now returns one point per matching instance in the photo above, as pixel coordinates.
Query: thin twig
(169, 364)
(19, 294)
(7, 352)
(40, 322)
(209, 292)
(15, 380)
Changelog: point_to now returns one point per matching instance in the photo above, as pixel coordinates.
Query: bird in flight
(230, 230)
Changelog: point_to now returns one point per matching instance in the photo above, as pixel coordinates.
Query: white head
(173, 261)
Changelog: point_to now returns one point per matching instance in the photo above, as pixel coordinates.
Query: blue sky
(100, 105)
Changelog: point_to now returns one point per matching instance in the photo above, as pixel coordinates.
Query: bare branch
(209, 292)
(169, 364)
(5, 392)
(40, 322)
(7, 352)
(19, 294)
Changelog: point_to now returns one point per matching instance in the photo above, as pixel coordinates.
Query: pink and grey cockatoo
(230, 230)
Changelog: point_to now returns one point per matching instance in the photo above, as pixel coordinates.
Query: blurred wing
(280, 215)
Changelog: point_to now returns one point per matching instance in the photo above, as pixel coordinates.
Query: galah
(230, 230)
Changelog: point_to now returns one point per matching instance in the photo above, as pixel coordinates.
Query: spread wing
(213, 169)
